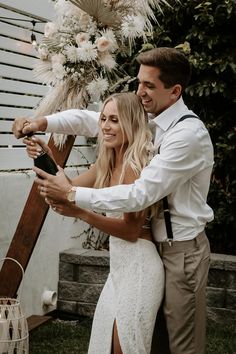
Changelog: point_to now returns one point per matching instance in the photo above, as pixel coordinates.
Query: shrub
(204, 30)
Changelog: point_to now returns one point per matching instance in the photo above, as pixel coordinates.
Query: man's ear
(176, 91)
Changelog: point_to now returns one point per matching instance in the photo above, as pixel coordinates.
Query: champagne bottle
(44, 161)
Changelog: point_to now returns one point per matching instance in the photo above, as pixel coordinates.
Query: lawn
(72, 337)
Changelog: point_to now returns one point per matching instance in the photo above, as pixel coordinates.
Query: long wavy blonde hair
(133, 123)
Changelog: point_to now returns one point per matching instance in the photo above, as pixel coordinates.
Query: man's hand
(23, 126)
(53, 188)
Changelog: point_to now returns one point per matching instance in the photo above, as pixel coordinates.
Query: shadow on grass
(72, 337)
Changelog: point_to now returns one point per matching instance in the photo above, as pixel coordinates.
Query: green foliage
(204, 31)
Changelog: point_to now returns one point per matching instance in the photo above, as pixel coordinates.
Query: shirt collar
(171, 114)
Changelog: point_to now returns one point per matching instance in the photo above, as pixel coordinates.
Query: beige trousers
(186, 269)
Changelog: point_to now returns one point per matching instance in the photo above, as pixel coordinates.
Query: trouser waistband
(178, 246)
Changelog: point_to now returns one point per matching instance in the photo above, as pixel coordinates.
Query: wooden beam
(35, 321)
(28, 229)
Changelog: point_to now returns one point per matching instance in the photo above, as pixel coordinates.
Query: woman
(126, 311)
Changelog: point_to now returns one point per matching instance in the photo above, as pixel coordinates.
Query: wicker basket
(14, 334)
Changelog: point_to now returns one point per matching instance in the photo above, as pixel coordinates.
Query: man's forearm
(74, 122)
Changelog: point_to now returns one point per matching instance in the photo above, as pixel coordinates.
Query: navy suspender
(165, 200)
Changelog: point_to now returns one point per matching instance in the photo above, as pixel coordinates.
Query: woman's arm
(128, 228)
(34, 146)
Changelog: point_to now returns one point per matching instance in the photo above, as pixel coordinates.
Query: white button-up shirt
(181, 170)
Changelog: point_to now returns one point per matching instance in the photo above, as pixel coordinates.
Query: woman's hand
(53, 188)
(65, 208)
(35, 146)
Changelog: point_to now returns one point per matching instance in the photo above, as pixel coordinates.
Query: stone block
(230, 279)
(73, 291)
(230, 263)
(217, 261)
(217, 278)
(231, 299)
(86, 257)
(67, 306)
(84, 309)
(91, 274)
(216, 297)
(221, 315)
(66, 271)
(72, 255)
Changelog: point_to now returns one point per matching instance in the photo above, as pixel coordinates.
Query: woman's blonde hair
(133, 122)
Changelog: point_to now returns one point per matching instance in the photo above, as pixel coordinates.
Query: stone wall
(221, 290)
(82, 274)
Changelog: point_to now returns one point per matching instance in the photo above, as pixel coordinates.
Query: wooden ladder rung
(35, 321)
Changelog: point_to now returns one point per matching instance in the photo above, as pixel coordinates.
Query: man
(181, 170)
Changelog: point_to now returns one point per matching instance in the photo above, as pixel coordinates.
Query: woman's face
(110, 127)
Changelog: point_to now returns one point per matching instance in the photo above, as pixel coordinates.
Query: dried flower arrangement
(77, 56)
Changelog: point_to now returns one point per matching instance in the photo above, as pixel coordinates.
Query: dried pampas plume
(72, 59)
(66, 95)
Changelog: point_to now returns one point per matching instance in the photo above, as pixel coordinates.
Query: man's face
(154, 96)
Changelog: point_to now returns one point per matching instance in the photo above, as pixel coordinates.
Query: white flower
(81, 37)
(43, 52)
(107, 60)
(110, 35)
(84, 21)
(58, 58)
(59, 71)
(87, 52)
(132, 27)
(49, 29)
(71, 54)
(97, 88)
(103, 44)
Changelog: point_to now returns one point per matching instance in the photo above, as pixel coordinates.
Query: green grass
(72, 337)
(221, 338)
(61, 337)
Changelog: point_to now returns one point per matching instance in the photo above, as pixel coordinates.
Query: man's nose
(140, 91)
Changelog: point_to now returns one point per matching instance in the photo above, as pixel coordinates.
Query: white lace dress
(131, 295)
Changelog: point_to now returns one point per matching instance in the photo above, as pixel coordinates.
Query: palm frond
(52, 43)
(99, 11)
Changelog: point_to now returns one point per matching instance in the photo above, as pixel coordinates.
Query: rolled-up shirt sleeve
(74, 122)
(184, 153)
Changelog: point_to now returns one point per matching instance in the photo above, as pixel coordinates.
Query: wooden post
(28, 229)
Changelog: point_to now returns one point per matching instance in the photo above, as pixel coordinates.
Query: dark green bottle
(45, 162)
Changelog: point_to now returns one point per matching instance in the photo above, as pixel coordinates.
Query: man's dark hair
(174, 66)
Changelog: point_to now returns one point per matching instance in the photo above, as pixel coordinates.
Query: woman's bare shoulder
(130, 175)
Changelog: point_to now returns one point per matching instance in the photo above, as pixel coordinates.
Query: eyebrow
(145, 82)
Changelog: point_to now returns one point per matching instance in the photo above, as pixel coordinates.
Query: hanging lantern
(14, 334)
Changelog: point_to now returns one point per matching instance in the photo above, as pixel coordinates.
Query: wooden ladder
(28, 229)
